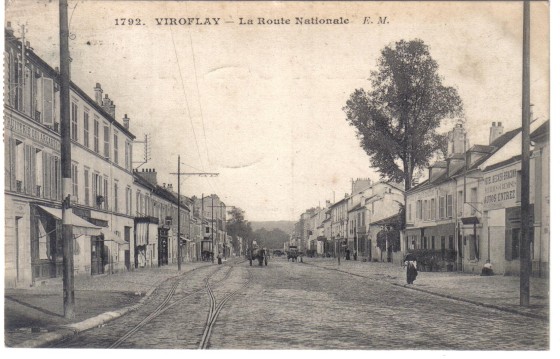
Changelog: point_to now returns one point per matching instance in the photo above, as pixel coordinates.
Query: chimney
(456, 140)
(126, 123)
(9, 29)
(495, 132)
(98, 94)
(149, 175)
(112, 109)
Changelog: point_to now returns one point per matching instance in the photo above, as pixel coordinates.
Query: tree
(396, 121)
(236, 225)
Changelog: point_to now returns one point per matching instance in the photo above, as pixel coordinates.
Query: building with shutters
(101, 174)
(467, 212)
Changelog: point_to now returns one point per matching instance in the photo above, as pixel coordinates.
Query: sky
(262, 105)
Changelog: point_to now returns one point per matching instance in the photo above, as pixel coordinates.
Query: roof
(56, 76)
(355, 207)
(541, 131)
(503, 163)
(489, 150)
(393, 220)
(440, 164)
(481, 148)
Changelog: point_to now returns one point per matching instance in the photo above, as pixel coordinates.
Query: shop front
(145, 242)
(46, 242)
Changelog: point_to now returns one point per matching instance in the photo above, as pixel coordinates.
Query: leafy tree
(396, 121)
(237, 225)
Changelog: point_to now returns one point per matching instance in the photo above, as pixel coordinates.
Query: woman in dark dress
(411, 271)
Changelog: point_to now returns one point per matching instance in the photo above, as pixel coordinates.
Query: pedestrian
(411, 268)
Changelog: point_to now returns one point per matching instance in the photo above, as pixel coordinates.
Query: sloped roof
(542, 130)
(481, 148)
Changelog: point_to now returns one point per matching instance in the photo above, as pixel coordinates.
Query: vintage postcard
(348, 175)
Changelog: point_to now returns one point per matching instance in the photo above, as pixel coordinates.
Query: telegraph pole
(178, 212)
(179, 174)
(525, 245)
(66, 165)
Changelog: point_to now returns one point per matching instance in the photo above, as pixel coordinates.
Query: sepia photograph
(277, 175)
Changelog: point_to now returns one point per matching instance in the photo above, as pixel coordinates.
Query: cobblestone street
(288, 305)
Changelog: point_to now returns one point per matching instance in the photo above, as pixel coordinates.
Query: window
(127, 156)
(442, 245)
(474, 201)
(460, 203)
(106, 140)
(433, 208)
(95, 189)
(409, 211)
(74, 117)
(473, 247)
(418, 209)
(39, 174)
(86, 129)
(106, 192)
(116, 197)
(137, 203)
(450, 243)
(19, 163)
(425, 210)
(116, 147)
(433, 242)
(75, 181)
(128, 200)
(86, 186)
(441, 207)
(96, 134)
(56, 190)
(449, 205)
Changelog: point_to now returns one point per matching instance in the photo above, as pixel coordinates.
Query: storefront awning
(110, 236)
(80, 226)
(470, 220)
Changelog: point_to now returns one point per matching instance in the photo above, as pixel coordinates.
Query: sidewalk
(498, 292)
(35, 316)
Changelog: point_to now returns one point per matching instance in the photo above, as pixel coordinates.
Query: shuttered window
(106, 140)
(75, 181)
(74, 125)
(86, 129)
(441, 207)
(96, 134)
(449, 205)
(47, 101)
(86, 186)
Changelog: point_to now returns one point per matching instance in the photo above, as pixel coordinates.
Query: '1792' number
(128, 21)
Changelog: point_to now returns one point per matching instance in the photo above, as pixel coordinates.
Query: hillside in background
(285, 226)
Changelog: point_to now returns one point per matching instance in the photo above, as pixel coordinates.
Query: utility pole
(178, 212)
(220, 206)
(179, 174)
(525, 245)
(66, 165)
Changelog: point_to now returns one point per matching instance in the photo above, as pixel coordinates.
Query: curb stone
(474, 302)
(70, 330)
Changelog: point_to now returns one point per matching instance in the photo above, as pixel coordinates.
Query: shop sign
(500, 188)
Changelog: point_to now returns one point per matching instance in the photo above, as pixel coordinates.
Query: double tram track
(167, 302)
(215, 309)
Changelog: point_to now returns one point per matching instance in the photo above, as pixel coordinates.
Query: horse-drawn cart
(259, 254)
